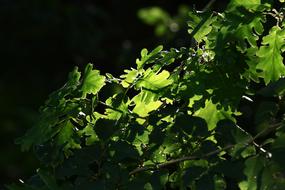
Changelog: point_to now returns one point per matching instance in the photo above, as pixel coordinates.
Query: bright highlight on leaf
(200, 26)
(92, 81)
(212, 115)
(148, 57)
(153, 81)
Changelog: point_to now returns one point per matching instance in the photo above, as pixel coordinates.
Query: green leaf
(39, 133)
(245, 31)
(251, 73)
(92, 81)
(129, 77)
(65, 133)
(200, 26)
(249, 4)
(90, 134)
(148, 58)
(253, 170)
(65, 137)
(154, 81)
(48, 125)
(146, 101)
(73, 79)
(243, 25)
(153, 15)
(270, 58)
(171, 123)
(142, 108)
(69, 89)
(212, 115)
(118, 106)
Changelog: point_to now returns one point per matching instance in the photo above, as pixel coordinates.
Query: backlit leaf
(92, 81)
(154, 81)
(270, 58)
(148, 57)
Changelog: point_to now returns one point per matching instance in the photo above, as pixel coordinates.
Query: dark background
(42, 40)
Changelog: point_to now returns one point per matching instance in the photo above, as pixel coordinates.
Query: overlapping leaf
(200, 26)
(173, 124)
(148, 57)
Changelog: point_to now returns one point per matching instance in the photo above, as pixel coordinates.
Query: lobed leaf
(270, 58)
(92, 81)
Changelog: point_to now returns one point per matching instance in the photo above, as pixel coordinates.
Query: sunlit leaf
(154, 81)
(270, 58)
(92, 81)
(212, 114)
(148, 57)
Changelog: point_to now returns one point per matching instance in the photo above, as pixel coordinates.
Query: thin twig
(178, 160)
(208, 6)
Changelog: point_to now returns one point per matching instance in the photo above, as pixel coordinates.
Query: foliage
(175, 122)
(165, 25)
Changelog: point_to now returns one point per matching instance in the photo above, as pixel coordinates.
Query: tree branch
(178, 160)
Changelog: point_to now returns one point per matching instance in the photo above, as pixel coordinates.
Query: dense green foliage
(42, 40)
(174, 122)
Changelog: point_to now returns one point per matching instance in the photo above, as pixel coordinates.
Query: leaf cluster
(174, 122)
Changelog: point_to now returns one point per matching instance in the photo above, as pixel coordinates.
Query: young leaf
(129, 77)
(148, 58)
